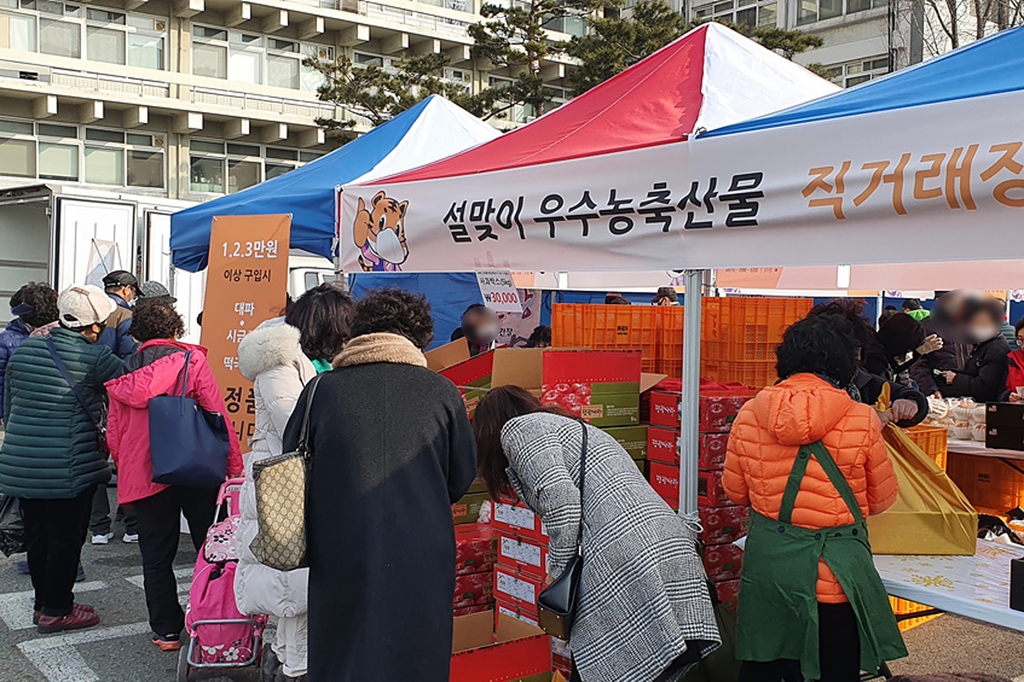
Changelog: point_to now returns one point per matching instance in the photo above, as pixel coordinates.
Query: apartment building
(191, 99)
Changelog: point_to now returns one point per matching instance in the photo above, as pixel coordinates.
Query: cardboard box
(718, 409)
(477, 486)
(476, 548)
(723, 524)
(506, 648)
(1004, 437)
(476, 608)
(633, 439)
(728, 593)
(467, 510)
(663, 446)
(515, 518)
(710, 492)
(561, 657)
(517, 588)
(473, 589)
(664, 478)
(530, 557)
(1010, 415)
(641, 464)
(602, 387)
(723, 562)
(515, 611)
(447, 355)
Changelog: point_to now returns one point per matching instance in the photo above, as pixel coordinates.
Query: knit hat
(154, 290)
(82, 306)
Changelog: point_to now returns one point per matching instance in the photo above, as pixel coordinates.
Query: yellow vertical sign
(246, 284)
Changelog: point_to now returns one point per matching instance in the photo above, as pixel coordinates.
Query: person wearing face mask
(480, 327)
(983, 377)
(51, 457)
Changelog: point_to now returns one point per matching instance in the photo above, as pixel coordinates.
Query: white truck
(63, 234)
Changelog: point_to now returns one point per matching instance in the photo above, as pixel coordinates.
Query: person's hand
(937, 394)
(903, 409)
(884, 416)
(1015, 398)
(930, 345)
(949, 376)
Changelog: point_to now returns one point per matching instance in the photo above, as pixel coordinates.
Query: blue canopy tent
(432, 130)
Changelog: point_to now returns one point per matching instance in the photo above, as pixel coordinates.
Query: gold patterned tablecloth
(973, 586)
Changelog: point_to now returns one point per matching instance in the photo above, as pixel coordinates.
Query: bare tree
(949, 24)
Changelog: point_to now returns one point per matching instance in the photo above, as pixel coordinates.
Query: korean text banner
(939, 182)
(246, 284)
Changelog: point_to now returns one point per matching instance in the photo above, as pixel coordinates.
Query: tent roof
(431, 130)
(987, 67)
(710, 77)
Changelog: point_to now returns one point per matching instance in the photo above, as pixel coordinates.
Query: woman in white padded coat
(276, 358)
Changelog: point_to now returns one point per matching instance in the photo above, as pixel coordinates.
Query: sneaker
(77, 607)
(167, 642)
(102, 538)
(130, 538)
(22, 567)
(80, 576)
(76, 620)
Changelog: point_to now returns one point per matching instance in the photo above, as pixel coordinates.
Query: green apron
(778, 603)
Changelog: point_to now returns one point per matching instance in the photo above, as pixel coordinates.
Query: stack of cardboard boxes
(723, 523)
(475, 554)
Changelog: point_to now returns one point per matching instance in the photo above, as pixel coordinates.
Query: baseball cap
(154, 290)
(81, 306)
(121, 278)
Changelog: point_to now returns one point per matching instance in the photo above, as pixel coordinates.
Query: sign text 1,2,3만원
(255, 249)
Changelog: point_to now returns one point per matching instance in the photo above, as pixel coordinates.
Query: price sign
(246, 283)
(499, 292)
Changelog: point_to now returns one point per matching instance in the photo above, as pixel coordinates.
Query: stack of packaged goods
(723, 523)
(521, 570)
(475, 554)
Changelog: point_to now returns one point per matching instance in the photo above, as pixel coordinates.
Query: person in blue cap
(32, 306)
(123, 289)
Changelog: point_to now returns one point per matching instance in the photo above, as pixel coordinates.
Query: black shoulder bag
(101, 422)
(558, 600)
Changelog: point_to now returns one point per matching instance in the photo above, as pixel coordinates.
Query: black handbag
(557, 602)
(12, 527)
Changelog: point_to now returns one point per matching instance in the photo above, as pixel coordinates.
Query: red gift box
(722, 562)
(504, 608)
(473, 589)
(728, 593)
(485, 646)
(476, 608)
(718, 408)
(710, 492)
(664, 478)
(517, 588)
(530, 557)
(475, 548)
(663, 446)
(723, 524)
(515, 518)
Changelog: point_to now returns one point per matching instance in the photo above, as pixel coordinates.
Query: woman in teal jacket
(50, 457)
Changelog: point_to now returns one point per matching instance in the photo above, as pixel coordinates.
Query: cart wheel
(182, 664)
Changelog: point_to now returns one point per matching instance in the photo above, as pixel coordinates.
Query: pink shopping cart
(219, 636)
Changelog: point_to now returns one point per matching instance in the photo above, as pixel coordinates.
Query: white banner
(939, 182)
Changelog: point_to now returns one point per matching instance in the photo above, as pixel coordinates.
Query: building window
(77, 153)
(811, 11)
(255, 59)
(854, 73)
(750, 13)
(240, 165)
(63, 30)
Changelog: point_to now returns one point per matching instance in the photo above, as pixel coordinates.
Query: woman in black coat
(392, 450)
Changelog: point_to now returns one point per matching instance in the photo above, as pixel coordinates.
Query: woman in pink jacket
(154, 370)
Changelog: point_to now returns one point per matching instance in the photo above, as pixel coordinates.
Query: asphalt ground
(119, 648)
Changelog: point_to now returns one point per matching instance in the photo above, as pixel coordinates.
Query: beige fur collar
(373, 348)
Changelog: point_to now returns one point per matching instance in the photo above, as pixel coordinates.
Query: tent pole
(690, 405)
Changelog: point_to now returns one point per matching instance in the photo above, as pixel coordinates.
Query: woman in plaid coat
(644, 611)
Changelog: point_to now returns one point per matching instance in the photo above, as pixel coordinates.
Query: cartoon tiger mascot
(379, 232)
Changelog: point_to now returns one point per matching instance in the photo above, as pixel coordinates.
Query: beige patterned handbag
(281, 483)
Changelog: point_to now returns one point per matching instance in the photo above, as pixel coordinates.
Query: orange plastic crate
(988, 483)
(902, 607)
(931, 439)
(606, 327)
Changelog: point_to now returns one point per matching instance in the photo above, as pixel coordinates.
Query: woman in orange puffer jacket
(794, 575)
